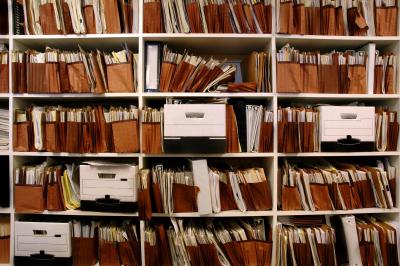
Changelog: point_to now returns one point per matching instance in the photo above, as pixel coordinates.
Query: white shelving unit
(223, 45)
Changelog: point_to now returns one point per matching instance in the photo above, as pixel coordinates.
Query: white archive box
(43, 242)
(194, 128)
(108, 186)
(347, 128)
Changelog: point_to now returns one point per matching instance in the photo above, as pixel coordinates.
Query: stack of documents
(183, 72)
(4, 240)
(80, 16)
(311, 245)
(196, 16)
(387, 129)
(84, 242)
(209, 242)
(298, 129)
(4, 137)
(119, 243)
(152, 120)
(164, 190)
(87, 129)
(315, 72)
(42, 187)
(342, 17)
(4, 69)
(54, 71)
(321, 185)
(385, 73)
(377, 241)
(259, 125)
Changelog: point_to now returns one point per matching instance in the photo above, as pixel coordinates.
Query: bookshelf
(208, 44)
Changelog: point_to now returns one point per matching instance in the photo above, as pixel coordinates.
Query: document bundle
(370, 241)
(208, 242)
(119, 244)
(83, 242)
(80, 16)
(385, 73)
(4, 240)
(4, 119)
(182, 72)
(315, 72)
(387, 130)
(313, 244)
(84, 130)
(202, 189)
(152, 129)
(54, 71)
(341, 17)
(298, 129)
(207, 16)
(45, 187)
(322, 185)
(4, 84)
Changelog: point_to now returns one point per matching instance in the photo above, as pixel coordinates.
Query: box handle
(106, 175)
(107, 201)
(348, 116)
(348, 141)
(39, 232)
(196, 115)
(41, 256)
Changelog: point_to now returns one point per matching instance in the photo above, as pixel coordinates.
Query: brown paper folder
(328, 20)
(29, 198)
(84, 251)
(195, 255)
(266, 137)
(291, 200)
(356, 79)
(19, 77)
(5, 250)
(77, 77)
(166, 76)
(386, 21)
(235, 253)
(312, 20)
(320, 196)
(126, 255)
(224, 15)
(289, 77)
(286, 18)
(54, 198)
(157, 199)
(194, 18)
(22, 136)
(340, 28)
(247, 197)
(64, 79)
(328, 78)
(47, 19)
(378, 79)
(152, 17)
(51, 83)
(120, 77)
(310, 78)
(111, 16)
(35, 77)
(184, 198)
(108, 254)
(151, 138)
(4, 78)
(125, 136)
(264, 16)
(261, 195)
(227, 200)
(90, 20)
(73, 134)
(356, 22)
(152, 257)
(299, 18)
(389, 80)
(232, 137)
(211, 16)
(144, 205)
